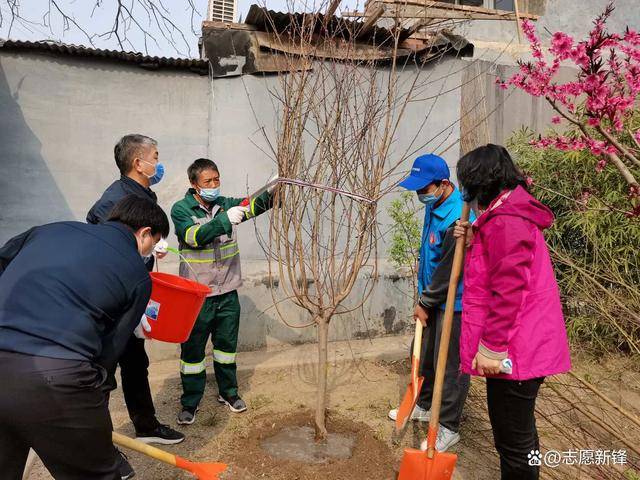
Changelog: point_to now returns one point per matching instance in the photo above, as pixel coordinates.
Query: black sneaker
(187, 416)
(163, 435)
(125, 470)
(235, 404)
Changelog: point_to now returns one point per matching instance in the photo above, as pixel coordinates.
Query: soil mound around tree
(370, 458)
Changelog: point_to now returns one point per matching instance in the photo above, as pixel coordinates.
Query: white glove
(237, 214)
(143, 328)
(161, 246)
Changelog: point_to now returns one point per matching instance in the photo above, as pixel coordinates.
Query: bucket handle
(177, 252)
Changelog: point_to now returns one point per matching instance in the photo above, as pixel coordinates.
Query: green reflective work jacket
(208, 241)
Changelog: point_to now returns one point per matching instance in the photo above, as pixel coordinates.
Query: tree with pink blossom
(598, 103)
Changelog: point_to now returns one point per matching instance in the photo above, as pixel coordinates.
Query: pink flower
(501, 84)
(598, 98)
(528, 180)
(600, 165)
(611, 149)
(579, 55)
(592, 82)
(561, 45)
(529, 30)
(618, 125)
(595, 146)
(541, 143)
(556, 120)
(637, 136)
(632, 37)
(593, 122)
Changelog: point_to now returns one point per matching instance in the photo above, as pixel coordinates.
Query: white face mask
(145, 255)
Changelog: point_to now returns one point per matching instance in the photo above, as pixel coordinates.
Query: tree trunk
(321, 402)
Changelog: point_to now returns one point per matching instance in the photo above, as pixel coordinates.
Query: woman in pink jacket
(511, 304)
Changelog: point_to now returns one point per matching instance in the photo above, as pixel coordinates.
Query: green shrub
(406, 231)
(594, 244)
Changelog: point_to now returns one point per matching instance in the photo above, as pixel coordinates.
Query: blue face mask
(429, 199)
(157, 176)
(209, 194)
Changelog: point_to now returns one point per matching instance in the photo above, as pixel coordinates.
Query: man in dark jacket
(137, 159)
(71, 295)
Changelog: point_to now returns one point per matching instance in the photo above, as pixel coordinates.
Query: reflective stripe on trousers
(192, 368)
(224, 357)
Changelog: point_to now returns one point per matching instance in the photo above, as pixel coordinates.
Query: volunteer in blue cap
(429, 178)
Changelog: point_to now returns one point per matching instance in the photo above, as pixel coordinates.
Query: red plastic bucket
(174, 306)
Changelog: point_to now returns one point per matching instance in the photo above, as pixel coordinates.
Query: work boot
(187, 416)
(125, 470)
(419, 414)
(163, 435)
(235, 404)
(445, 440)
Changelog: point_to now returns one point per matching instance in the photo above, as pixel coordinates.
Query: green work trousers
(218, 319)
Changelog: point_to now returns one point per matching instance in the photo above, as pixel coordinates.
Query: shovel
(434, 465)
(202, 471)
(413, 390)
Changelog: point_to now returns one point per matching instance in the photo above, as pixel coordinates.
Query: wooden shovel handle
(443, 352)
(417, 349)
(143, 448)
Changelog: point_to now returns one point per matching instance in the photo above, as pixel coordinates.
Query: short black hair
(437, 183)
(198, 166)
(137, 212)
(128, 147)
(486, 171)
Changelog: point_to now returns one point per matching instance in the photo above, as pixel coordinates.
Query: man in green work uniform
(205, 224)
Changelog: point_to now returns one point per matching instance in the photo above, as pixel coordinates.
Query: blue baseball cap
(426, 169)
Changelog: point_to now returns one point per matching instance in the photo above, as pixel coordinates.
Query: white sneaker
(419, 414)
(445, 440)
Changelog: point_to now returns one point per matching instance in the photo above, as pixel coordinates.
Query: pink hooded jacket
(511, 301)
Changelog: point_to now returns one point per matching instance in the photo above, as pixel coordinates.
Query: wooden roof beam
(371, 20)
(427, 13)
(459, 8)
(227, 25)
(332, 7)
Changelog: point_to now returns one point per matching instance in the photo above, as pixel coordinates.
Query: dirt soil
(371, 457)
(361, 394)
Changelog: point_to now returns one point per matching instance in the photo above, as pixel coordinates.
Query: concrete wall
(243, 125)
(62, 115)
(573, 17)
(60, 118)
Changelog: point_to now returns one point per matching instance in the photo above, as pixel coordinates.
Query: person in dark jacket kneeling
(71, 295)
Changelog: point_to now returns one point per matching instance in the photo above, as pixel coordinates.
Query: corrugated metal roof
(137, 58)
(269, 21)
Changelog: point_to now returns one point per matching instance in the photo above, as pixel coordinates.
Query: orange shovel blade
(408, 403)
(417, 466)
(203, 471)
